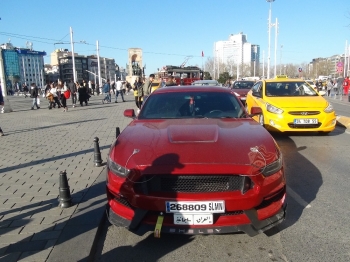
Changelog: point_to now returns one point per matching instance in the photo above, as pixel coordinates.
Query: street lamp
(269, 45)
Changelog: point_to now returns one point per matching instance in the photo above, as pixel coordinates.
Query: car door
(254, 96)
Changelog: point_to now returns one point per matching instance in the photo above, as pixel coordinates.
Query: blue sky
(168, 31)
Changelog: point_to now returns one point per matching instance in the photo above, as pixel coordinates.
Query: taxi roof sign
(281, 76)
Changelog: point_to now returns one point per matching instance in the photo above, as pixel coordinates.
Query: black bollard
(117, 132)
(65, 199)
(97, 153)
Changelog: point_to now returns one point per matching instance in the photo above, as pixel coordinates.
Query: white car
(311, 83)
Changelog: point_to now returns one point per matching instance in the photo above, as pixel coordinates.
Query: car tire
(261, 120)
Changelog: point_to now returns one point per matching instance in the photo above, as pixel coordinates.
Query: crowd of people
(337, 86)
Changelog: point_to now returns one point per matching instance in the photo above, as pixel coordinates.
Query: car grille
(304, 113)
(189, 184)
(292, 125)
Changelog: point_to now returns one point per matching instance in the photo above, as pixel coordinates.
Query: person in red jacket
(346, 85)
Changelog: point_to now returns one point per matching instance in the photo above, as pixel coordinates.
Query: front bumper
(255, 227)
(285, 123)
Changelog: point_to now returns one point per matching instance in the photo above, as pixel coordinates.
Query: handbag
(38, 100)
(66, 94)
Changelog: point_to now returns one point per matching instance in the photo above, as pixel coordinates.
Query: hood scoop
(193, 134)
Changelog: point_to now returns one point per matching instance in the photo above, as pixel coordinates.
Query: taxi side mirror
(257, 94)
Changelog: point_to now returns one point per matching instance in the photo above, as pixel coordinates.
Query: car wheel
(261, 120)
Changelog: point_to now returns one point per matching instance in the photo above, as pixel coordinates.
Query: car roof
(208, 88)
(278, 80)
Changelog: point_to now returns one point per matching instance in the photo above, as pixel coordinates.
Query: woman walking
(63, 98)
(83, 95)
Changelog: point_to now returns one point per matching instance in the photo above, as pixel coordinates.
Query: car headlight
(273, 167)
(236, 94)
(273, 109)
(329, 109)
(116, 168)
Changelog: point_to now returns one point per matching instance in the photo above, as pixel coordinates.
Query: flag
(202, 53)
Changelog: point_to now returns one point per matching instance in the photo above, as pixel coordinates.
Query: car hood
(298, 102)
(193, 142)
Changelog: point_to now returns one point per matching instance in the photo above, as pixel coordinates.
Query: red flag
(202, 53)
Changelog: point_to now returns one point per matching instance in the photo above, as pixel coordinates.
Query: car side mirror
(129, 113)
(257, 94)
(255, 110)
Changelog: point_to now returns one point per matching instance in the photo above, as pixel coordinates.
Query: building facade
(239, 52)
(86, 67)
(21, 66)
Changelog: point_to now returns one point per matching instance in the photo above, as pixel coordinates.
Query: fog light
(334, 122)
(272, 123)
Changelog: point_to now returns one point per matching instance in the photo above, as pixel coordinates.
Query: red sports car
(194, 162)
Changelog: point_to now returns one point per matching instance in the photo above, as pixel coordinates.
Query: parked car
(241, 88)
(291, 105)
(194, 162)
(312, 84)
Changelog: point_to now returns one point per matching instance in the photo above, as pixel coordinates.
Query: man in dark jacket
(2, 104)
(73, 92)
(34, 93)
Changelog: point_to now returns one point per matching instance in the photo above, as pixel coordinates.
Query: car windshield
(243, 85)
(289, 89)
(191, 105)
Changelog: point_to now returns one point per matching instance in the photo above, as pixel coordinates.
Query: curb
(343, 121)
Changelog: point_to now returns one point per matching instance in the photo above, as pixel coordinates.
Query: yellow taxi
(290, 105)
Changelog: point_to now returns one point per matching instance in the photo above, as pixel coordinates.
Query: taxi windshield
(289, 89)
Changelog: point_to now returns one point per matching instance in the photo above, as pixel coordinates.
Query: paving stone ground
(37, 145)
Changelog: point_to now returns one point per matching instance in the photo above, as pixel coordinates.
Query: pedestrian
(73, 92)
(128, 87)
(170, 81)
(83, 94)
(63, 98)
(113, 87)
(329, 86)
(90, 88)
(346, 85)
(53, 97)
(138, 93)
(2, 105)
(34, 93)
(25, 90)
(147, 86)
(106, 90)
(93, 86)
(119, 90)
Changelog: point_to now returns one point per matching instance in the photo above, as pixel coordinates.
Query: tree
(207, 76)
(224, 77)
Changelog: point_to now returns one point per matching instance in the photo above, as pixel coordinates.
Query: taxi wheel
(261, 120)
